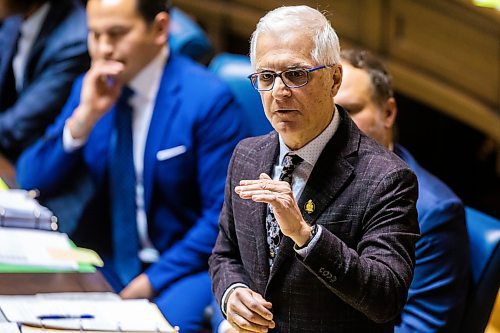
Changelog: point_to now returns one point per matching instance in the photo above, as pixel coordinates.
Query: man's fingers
(262, 301)
(244, 325)
(251, 307)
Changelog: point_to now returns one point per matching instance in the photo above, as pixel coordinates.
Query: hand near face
(280, 196)
(248, 311)
(99, 92)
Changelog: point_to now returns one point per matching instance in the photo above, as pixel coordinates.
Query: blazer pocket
(169, 153)
(337, 227)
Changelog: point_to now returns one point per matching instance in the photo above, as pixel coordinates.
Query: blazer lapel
(329, 176)
(54, 17)
(264, 157)
(165, 104)
(8, 43)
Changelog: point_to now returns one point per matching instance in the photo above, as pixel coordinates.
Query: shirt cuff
(71, 144)
(224, 326)
(226, 294)
(303, 252)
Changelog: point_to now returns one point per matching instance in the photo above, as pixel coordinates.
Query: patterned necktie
(122, 193)
(274, 234)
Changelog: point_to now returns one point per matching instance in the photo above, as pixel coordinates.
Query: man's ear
(160, 26)
(390, 112)
(337, 79)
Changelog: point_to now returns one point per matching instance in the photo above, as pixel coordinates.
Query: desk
(32, 283)
(7, 172)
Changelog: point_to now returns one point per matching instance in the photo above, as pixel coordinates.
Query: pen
(54, 316)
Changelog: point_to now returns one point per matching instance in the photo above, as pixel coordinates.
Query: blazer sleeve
(46, 165)
(374, 277)
(438, 292)
(216, 135)
(225, 263)
(42, 99)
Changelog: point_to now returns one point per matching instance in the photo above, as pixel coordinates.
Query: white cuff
(231, 287)
(303, 252)
(224, 326)
(70, 144)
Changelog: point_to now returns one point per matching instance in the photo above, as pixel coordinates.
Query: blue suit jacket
(183, 195)
(437, 294)
(57, 57)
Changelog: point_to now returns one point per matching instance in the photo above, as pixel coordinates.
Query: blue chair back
(234, 69)
(484, 238)
(186, 37)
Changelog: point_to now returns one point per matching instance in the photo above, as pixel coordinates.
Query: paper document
(9, 328)
(108, 316)
(33, 248)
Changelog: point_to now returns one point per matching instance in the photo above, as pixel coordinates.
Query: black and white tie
(274, 234)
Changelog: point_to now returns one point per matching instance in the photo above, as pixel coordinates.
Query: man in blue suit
(438, 291)
(155, 131)
(43, 48)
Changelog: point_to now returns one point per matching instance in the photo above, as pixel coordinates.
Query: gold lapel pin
(309, 206)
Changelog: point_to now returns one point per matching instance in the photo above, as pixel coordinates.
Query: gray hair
(326, 50)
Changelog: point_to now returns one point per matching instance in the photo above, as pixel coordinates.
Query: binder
(20, 209)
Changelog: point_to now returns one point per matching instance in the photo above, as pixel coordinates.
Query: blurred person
(155, 131)
(437, 294)
(43, 48)
(319, 223)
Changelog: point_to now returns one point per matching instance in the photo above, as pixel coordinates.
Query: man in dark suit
(155, 131)
(333, 251)
(43, 48)
(437, 294)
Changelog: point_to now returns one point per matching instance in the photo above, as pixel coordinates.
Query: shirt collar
(146, 82)
(311, 151)
(32, 25)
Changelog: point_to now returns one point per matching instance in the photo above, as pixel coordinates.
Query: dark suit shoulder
(375, 159)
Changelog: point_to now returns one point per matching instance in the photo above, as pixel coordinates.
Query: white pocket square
(165, 154)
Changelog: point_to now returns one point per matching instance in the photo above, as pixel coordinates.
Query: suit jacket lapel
(8, 43)
(54, 17)
(165, 104)
(329, 176)
(265, 156)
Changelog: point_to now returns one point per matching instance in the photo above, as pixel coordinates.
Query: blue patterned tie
(122, 193)
(274, 234)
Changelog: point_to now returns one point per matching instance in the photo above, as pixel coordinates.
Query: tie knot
(291, 160)
(127, 92)
(289, 163)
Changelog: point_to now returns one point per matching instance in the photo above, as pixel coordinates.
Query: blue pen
(52, 317)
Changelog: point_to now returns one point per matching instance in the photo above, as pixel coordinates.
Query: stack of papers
(29, 250)
(19, 209)
(36, 314)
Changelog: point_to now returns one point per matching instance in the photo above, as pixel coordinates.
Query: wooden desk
(32, 283)
(7, 172)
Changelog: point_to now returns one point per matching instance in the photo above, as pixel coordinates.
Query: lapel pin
(309, 206)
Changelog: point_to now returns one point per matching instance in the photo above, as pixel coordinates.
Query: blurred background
(445, 60)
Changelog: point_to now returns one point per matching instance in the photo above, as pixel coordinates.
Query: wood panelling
(443, 53)
(448, 48)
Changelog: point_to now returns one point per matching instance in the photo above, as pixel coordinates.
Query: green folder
(10, 268)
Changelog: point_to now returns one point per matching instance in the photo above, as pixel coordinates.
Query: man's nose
(280, 90)
(104, 47)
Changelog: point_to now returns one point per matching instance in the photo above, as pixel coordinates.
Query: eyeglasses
(292, 78)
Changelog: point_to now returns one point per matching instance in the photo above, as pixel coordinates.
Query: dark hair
(380, 78)
(148, 9)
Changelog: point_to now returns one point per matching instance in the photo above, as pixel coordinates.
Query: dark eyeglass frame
(254, 77)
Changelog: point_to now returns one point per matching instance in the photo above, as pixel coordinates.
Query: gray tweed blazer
(357, 276)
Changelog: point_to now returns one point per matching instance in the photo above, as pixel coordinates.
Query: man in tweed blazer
(348, 220)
